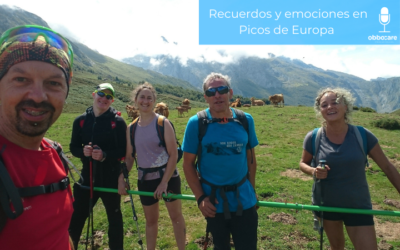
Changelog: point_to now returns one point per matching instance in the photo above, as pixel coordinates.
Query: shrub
(386, 123)
(367, 109)
(355, 108)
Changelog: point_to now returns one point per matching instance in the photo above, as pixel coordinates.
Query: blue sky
(122, 29)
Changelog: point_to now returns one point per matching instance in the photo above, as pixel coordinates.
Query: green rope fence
(266, 203)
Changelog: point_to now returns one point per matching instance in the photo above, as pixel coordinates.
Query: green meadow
(280, 132)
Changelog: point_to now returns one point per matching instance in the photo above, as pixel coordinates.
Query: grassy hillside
(80, 98)
(280, 133)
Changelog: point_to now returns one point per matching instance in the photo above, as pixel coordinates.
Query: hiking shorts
(174, 186)
(350, 220)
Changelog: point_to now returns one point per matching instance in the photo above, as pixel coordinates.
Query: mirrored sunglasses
(29, 33)
(221, 90)
(102, 94)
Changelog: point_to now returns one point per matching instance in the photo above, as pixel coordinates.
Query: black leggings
(112, 203)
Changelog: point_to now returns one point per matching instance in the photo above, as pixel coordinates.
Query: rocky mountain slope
(258, 77)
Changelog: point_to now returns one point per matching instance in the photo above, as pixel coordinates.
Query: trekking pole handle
(322, 163)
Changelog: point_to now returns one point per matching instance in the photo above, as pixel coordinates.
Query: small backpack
(203, 125)
(160, 133)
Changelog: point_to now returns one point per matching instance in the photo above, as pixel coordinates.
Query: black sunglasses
(102, 94)
(221, 90)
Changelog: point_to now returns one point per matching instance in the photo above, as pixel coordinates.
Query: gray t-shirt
(346, 185)
(149, 153)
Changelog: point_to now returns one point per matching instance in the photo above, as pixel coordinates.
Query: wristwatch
(104, 156)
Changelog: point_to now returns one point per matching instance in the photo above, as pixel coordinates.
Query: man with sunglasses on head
(36, 200)
(99, 138)
(223, 140)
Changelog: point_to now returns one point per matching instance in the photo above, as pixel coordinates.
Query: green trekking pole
(322, 163)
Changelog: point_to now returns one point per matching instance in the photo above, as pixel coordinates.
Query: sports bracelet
(201, 199)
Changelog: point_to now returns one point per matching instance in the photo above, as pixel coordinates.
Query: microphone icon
(384, 18)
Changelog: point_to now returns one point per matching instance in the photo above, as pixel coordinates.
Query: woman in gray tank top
(157, 166)
(342, 183)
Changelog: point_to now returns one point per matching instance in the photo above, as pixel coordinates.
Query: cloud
(122, 29)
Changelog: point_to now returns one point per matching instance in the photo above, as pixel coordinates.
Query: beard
(33, 129)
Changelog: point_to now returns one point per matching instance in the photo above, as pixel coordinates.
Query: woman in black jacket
(99, 135)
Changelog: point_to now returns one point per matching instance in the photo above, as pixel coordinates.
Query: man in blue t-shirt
(225, 192)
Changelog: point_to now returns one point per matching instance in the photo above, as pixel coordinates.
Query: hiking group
(38, 210)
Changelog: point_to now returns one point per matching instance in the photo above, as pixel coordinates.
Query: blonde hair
(213, 76)
(342, 96)
(141, 87)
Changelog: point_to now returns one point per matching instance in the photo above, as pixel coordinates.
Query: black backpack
(203, 125)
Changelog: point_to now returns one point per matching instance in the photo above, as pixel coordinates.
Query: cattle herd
(162, 108)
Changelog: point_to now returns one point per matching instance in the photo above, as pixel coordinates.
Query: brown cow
(277, 99)
(162, 109)
(129, 107)
(236, 104)
(181, 110)
(186, 102)
(186, 108)
(132, 112)
(257, 102)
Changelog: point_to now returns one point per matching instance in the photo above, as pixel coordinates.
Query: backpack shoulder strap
(202, 116)
(57, 147)
(203, 124)
(132, 130)
(361, 139)
(241, 116)
(113, 128)
(160, 130)
(9, 193)
(82, 120)
(315, 139)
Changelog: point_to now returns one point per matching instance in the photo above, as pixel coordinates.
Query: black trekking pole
(90, 219)
(125, 173)
(90, 201)
(322, 163)
(206, 239)
(207, 229)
